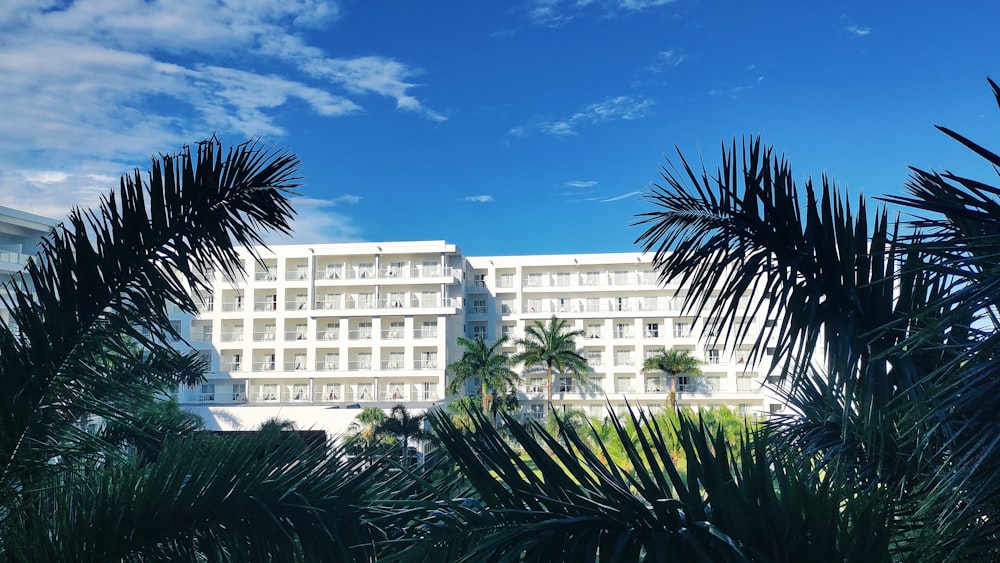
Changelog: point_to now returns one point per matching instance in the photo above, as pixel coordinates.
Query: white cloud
(620, 108)
(620, 197)
(668, 58)
(479, 198)
(556, 13)
(317, 222)
(581, 184)
(858, 31)
(97, 86)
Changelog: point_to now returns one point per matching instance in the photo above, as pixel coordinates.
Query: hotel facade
(312, 333)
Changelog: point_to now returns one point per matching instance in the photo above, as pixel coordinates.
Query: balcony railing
(328, 365)
(360, 334)
(265, 306)
(231, 336)
(391, 365)
(425, 364)
(232, 306)
(421, 333)
(392, 334)
(263, 336)
(265, 276)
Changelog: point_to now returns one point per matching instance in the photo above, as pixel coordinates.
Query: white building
(317, 331)
(20, 233)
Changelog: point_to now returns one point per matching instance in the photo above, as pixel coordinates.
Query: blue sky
(528, 126)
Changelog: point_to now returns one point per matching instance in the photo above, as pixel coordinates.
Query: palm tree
(486, 362)
(672, 363)
(552, 346)
(886, 333)
(91, 316)
(363, 432)
(403, 426)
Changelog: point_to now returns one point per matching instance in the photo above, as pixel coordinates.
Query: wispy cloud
(581, 184)
(736, 91)
(667, 59)
(556, 13)
(101, 84)
(620, 197)
(479, 198)
(621, 108)
(858, 31)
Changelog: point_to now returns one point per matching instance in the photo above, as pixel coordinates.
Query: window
(268, 363)
(364, 330)
(506, 306)
(395, 269)
(175, 326)
(207, 391)
(300, 392)
(364, 360)
(205, 359)
(712, 357)
(479, 280)
(562, 304)
(623, 384)
(649, 303)
(479, 306)
(333, 271)
(621, 277)
(428, 299)
(268, 333)
(299, 362)
(621, 304)
(365, 391)
(239, 392)
(332, 392)
(623, 357)
(300, 301)
(593, 304)
(396, 329)
(269, 392)
(395, 360)
(592, 278)
(428, 360)
(562, 279)
(395, 392)
(682, 330)
(654, 384)
(534, 279)
(506, 281)
(623, 330)
(365, 270)
(301, 271)
(332, 301)
(365, 300)
(479, 332)
(593, 357)
(533, 306)
(331, 362)
(300, 331)
(396, 299)
(332, 331)
(593, 330)
(536, 385)
(430, 269)
(565, 385)
(235, 362)
(429, 390)
(652, 330)
(428, 329)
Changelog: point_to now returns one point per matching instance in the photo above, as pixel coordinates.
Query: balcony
(425, 364)
(422, 333)
(295, 366)
(265, 306)
(392, 365)
(392, 334)
(295, 335)
(232, 306)
(263, 366)
(265, 276)
(265, 336)
(328, 365)
(360, 334)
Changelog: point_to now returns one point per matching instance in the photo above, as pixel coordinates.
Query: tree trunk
(673, 391)
(548, 385)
